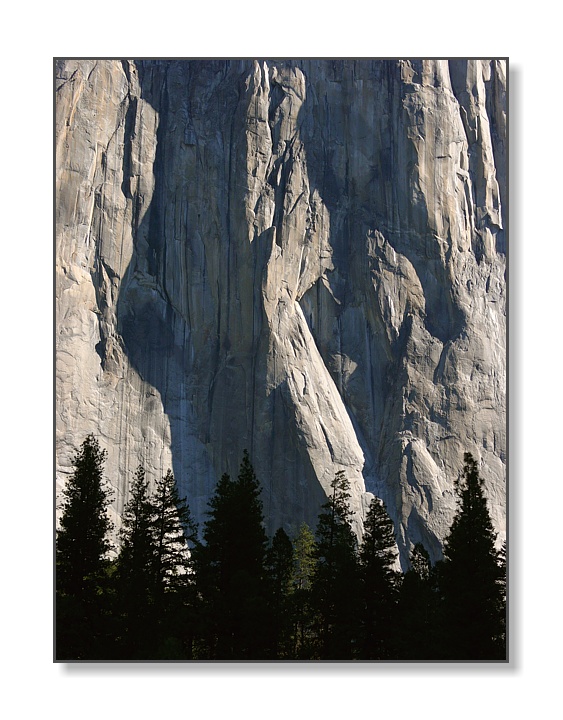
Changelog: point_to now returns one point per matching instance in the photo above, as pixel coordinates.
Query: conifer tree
(82, 539)
(501, 582)
(231, 570)
(304, 565)
(174, 534)
(82, 547)
(501, 560)
(418, 609)
(135, 575)
(335, 587)
(379, 584)
(279, 562)
(211, 560)
(420, 564)
(137, 552)
(174, 531)
(304, 562)
(470, 577)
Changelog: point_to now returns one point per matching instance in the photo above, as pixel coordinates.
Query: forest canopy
(176, 592)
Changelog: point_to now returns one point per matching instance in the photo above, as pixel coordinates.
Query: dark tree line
(235, 594)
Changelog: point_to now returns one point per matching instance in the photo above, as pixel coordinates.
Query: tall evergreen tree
(304, 566)
(135, 576)
(82, 547)
(471, 577)
(279, 562)
(174, 532)
(137, 553)
(82, 539)
(231, 571)
(418, 609)
(380, 584)
(174, 537)
(335, 587)
(304, 558)
(502, 610)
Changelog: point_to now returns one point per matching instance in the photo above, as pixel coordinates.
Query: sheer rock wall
(301, 258)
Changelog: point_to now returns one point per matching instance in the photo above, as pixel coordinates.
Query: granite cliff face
(301, 258)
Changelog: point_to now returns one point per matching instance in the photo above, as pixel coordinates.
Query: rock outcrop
(301, 258)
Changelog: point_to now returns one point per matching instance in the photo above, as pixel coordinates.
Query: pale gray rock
(301, 258)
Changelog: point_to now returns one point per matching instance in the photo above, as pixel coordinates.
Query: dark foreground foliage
(236, 595)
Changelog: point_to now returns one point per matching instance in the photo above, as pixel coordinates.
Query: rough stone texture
(301, 258)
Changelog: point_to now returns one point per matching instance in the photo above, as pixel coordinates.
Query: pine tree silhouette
(380, 584)
(471, 577)
(231, 571)
(336, 582)
(82, 548)
(135, 575)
